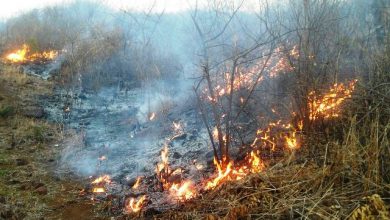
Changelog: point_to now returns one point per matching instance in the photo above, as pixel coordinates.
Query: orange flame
(24, 55)
(328, 105)
(98, 190)
(163, 170)
(230, 172)
(137, 183)
(134, 206)
(18, 55)
(255, 162)
(183, 191)
(102, 179)
(222, 174)
(100, 182)
(292, 141)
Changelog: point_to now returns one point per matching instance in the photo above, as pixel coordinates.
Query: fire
(137, 183)
(98, 190)
(164, 160)
(327, 106)
(100, 182)
(222, 174)
(24, 55)
(256, 164)
(18, 55)
(183, 191)
(102, 179)
(229, 172)
(292, 142)
(247, 76)
(300, 125)
(163, 170)
(134, 206)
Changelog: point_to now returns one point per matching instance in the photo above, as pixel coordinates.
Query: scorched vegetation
(227, 110)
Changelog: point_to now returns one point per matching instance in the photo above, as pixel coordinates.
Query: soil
(29, 152)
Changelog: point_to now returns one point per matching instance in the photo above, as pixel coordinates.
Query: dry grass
(348, 178)
(339, 188)
(31, 143)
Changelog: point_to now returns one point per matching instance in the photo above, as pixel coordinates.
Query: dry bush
(338, 188)
(348, 180)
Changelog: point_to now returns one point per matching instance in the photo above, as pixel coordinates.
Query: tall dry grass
(348, 178)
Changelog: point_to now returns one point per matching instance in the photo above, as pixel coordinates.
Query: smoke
(117, 70)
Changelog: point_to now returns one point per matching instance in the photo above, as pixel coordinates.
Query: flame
(100, 182)
(222, 174)
(163, 170)
(327, 105)
(24, 55)
(137, 183)
(102, 179)
(256, 164)
(98, 190)
(134, 206)
(292, 142)
(18, 55)
(300, 125)
(183, 191)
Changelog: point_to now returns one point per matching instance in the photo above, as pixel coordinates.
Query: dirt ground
(29, 147)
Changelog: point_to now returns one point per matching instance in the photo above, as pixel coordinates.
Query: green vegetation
(6, 111)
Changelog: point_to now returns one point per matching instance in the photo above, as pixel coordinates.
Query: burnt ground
(48, 158)
(29, 149)
(38, 182)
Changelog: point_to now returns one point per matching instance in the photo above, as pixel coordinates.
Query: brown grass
(348, 178)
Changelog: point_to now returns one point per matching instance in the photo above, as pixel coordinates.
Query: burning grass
(282, 192)
(175, 186)
(328, 105)
(25, 55)
(347, 180)
(336, 188)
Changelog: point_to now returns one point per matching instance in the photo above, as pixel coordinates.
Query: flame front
(18, 55)
(24, 55)
(328, 106)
